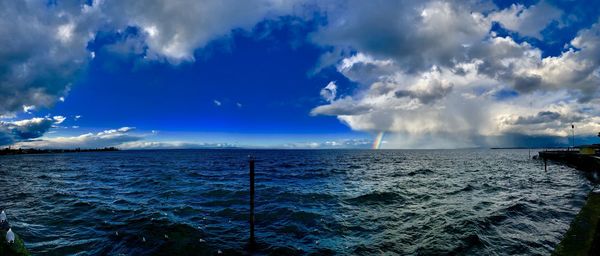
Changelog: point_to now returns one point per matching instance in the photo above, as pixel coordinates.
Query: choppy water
(479, 202)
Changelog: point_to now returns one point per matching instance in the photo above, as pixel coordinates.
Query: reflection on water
(322, 201)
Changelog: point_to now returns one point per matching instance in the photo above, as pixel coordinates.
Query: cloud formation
(423, 68)
(173, 30)
(23, 130)
(43, 50)
(329, 92)
(436, 69)
(107, 138)
(172, 145)
(527, 21)
(332, 144)
(44, 44)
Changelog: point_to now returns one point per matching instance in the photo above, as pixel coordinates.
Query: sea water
(360, 202)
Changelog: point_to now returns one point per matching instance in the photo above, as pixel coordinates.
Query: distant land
(28, 151)
(557, 147)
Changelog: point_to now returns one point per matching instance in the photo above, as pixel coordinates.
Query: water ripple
(322, 202)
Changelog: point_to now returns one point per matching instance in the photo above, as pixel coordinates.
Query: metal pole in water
(545, 164)
(573, 131)
(252, 240)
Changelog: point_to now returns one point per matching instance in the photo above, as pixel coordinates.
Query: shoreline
(583, 235)
(33, 151)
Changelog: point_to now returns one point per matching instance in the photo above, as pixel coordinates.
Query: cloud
(122, 138)
(59, 119)
(556, 121)
(27, 129)
(172, 145)
(107, 138)
(365, 69)
(331, 144)
(433, 69)
(329, 92)
(407, 32)
(44, 44)
(43, 50)
(541, 117)
(341, 107)
(423, 68)
(527, 21)
(427, 95)
(173, 30)
(28, 109)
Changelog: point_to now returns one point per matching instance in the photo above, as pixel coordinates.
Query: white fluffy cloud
(415, 34)
(331, 144)
(527, 21)
(175, 29)
(329, 92)
(172, 145)
(108, 138)
(444, 79)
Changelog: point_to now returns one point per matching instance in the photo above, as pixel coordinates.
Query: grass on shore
(583, 236)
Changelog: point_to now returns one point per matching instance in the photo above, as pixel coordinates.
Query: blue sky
(261, 86)
(299, 74)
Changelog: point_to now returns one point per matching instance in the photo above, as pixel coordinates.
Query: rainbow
(378, 140)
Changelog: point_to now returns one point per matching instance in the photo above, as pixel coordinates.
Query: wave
(288, 215)
(158, 237)
(377, 198)
(467, 188)
(420, 172)
(307, 202)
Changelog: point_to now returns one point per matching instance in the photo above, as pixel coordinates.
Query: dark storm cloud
(545, 117)
(43, 49)
(527, 83)
(541, 117)
(429, 95)
(17, 131)
(526, 141)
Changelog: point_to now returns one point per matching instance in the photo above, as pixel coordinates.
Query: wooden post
(545, 164)
(252, 240)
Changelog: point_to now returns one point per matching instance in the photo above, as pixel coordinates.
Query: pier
(583, 236)
(573, 158)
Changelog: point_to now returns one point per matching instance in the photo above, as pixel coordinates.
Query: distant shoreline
(32, 151)
(531, 148)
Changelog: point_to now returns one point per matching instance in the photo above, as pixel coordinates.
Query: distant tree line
(25, 151)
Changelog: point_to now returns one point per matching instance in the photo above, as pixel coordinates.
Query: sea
(308, 202)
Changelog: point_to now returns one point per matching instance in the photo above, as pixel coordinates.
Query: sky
(299, 74)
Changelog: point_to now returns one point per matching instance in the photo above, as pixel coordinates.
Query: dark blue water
(477, 202)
